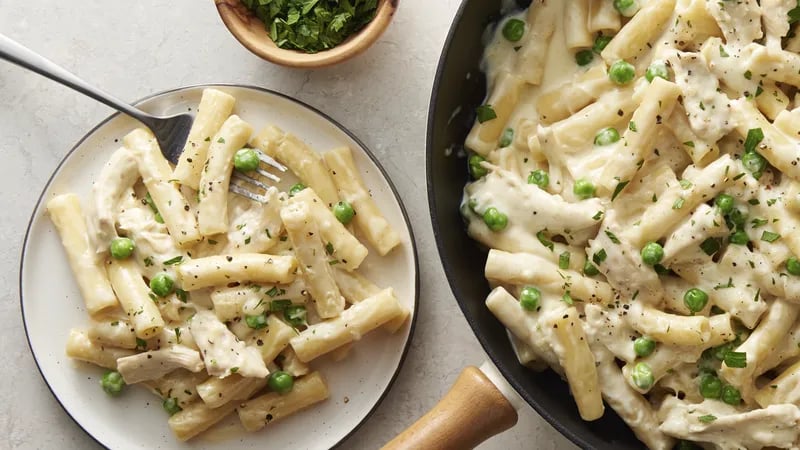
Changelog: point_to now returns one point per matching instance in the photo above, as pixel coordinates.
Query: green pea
(256, 322)
(710, 386)
(494, 219)
(162, 284)
(642, 376)
(295, 315)
(621, 72)
(171, 406)
(731, 395)
(583, 188)
(656, 70)
(584, 57)
(652, 253)
(754, 163)
(590, 269)
(245, 160)
(296, 188)
(600, 43)
(793, 265)
(606, 136)
(121, 248)
(622, 5)
(725, 203)
(540, 178)
(644, 346)
(513, 30)
(475, 168)
(280, 382)
(112, 383)
(695, 299)
(344, 212)
(529, 298)
(739, 238)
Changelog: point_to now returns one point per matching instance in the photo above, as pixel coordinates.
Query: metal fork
(171, 132)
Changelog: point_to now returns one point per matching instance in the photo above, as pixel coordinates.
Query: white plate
(51, 303)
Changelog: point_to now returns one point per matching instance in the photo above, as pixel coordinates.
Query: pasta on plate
(217, 303)
(636, 181)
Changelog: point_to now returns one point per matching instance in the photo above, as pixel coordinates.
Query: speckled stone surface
(136, 48)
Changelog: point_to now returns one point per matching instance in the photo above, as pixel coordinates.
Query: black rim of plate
(343, 129)
(448, 265)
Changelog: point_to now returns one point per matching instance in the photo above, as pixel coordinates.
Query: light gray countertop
(133, 49)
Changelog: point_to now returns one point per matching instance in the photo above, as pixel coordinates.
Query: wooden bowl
(252, 33)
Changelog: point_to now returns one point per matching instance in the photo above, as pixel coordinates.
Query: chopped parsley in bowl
(306, 33)
(312, 25)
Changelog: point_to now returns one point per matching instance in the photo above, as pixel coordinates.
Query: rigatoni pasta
(643, 235)
(213, 301)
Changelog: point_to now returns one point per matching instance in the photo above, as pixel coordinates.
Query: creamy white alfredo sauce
(654, 213)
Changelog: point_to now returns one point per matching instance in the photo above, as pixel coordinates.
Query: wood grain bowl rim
(252, 34)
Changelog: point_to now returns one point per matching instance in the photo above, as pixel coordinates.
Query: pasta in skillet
(636, 179)
(214, 302)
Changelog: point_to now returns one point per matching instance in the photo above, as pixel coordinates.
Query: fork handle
(14, 52)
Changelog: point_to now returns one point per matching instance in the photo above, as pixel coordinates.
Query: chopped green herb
(221, 140)
(722, 52)
(711, 246)
(279, 305)
(632, 126)
(566, 298)
(620, 186)
(769, 236)
(212, 242)
(485, 113)
(329, 248)
(544, 240)
(689, 144)
(708, 418)
(599, 256)
(678, 203)
(563, 260)
(598, 215)
(173, 261)
(612, 236)
(148, 261)
(748, 75)
(736, 360)
(758, 222)
(182, 295)
(312, 26)
(685, 184)
(754, 137)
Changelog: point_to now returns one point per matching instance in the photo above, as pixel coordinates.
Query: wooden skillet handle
(471, 412)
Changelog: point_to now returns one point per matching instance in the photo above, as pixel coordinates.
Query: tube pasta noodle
(368, 216)
(65, 212)
(348, 250)
(354, 322)
(643, 235)
(215, 107)
(81, 347)
(115, 333)
(134, 296)
(212, 211)
(182, 298)
(223, 269)
(156, 175)
(300, 158)
(269, 408)
(313, 259)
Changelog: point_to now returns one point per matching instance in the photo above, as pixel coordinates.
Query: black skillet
(458, 88)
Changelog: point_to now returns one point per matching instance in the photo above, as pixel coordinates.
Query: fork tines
(245, 180)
